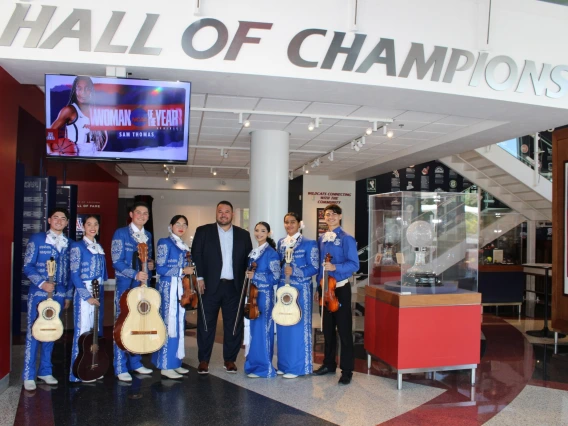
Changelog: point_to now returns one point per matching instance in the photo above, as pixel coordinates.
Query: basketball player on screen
(75, 116)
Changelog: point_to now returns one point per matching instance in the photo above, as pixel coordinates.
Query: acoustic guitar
(92, 362)
(287, 311)
(139, 328)
(48, 326)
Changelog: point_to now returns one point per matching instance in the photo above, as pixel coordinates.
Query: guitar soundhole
(143, 307)
(48, 314)
(286, 299)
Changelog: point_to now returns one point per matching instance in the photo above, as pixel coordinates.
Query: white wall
(310, 203)
(197, 206)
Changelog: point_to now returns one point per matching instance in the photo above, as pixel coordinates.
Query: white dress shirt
(226, 240)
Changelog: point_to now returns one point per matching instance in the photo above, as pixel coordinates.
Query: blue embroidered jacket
(267, 270)
(343, 255)
(170, 259)
(86, 266)
(122, 249)
(38, 252)
(305, 260)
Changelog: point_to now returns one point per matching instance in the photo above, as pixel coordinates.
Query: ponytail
(271, 242)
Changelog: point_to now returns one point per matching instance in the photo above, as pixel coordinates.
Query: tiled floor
(519, 381)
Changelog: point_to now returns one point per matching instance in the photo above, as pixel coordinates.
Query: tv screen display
(103, 118)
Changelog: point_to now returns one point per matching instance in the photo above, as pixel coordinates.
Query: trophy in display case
(391, 232)
(419, 235)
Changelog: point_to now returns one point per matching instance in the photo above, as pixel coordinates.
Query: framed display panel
(424, 242)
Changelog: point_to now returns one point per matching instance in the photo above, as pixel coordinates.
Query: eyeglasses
(180, 225)
(139, 213)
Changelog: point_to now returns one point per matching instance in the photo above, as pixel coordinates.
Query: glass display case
(502, 239)
(424, 242)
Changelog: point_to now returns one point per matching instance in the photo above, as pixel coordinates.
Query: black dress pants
(225, 298)
(342, 320)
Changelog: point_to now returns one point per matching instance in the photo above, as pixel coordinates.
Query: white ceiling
(434, 124)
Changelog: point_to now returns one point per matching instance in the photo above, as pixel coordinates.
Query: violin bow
(199, 295)
(243, 291)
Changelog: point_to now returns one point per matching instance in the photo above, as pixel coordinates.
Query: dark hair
(269, 240)
(225, 203)
(178, 217)
(139, 204)
(73, 95)
(333, 207)
(91, 216)
(294, 215)
(59, 210)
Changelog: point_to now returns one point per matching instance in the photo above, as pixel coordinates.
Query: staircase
(506, 178)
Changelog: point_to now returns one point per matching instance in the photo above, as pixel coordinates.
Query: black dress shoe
(323, 370)
(345, 378)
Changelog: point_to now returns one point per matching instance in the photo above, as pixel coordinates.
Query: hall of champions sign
(541, 79)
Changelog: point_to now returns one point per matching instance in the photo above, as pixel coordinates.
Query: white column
(269, 164)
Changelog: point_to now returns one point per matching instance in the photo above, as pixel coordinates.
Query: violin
(328, 297)
(189, 283)
(251, 311)
(191, 295)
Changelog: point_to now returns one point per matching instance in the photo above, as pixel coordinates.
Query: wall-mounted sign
(41, 27)
(329, 197)
(372, 185)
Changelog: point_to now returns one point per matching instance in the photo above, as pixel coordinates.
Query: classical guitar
(287, 311)
(48, 326)
(139, 328)
(92, 362)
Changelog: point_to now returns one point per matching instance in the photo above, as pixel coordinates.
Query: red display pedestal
(423, 333)
(383, 274)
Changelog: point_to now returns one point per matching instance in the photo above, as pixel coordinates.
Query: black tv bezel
(119, 159)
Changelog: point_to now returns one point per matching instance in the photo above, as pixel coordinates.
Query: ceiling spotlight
(313, 165)
(363, 140)
(356, 147)
(224, 154)
(384, 129)
(304, 168)
(214, 171)
(353, 144)
(240, 118)
(166, 171)
(173, 169)
(311, 126)
(167, 176)
(369, 131)
(390, 134)
(291, 175)
(330, 156)
(374, 126)
(307, 171)
(246, 123)
(359, 144)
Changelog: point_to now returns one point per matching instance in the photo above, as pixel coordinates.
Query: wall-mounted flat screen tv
(114, 119)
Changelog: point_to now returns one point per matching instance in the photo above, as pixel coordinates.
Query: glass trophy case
(424, 242)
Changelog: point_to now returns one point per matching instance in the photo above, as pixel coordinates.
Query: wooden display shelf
(461, 297)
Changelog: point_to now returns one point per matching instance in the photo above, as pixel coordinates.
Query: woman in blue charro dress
(295, 342)
(259, 333)
(171, 266)
(87, 260)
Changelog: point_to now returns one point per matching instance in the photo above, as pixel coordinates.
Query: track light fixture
(311, 126)
(224, 154)
(173, 170)
(330, 156)
(374, 126)
(359, 144)
(167, 176)
(214, 171)
(385, 130)
(291, 175)
(246, 123)
(363, 141)
(390, 134)
(357, 149)
(369, 131)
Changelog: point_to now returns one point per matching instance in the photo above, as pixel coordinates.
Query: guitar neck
(50, 293)
(96, 326)
(287, 280)
(144, 269)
